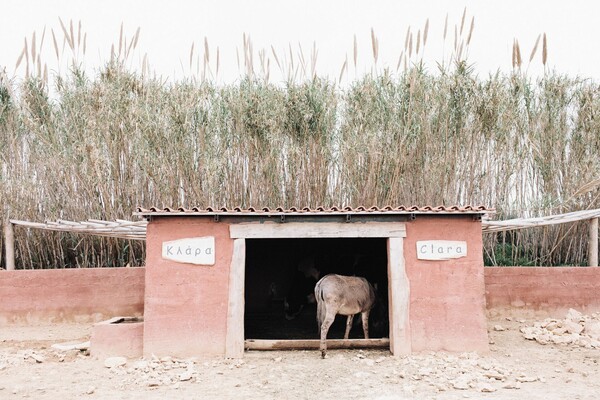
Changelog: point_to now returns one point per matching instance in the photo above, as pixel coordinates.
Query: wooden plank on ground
(313, 344)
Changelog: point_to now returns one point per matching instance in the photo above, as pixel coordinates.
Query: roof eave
(304, 214)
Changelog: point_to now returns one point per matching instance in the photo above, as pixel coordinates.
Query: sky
(168, 30)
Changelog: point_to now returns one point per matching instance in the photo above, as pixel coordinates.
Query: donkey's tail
(320, 305)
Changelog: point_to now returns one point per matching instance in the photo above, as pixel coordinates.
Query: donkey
(345, 295)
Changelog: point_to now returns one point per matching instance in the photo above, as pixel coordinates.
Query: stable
(217, 279)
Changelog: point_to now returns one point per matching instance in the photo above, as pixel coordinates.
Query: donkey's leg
(326, 323)
(320, 314)
(365, 323)
(348, 326)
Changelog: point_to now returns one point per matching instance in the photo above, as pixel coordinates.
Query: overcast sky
(168, 29)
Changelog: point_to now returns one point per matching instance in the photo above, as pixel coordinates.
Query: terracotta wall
(86, 294)
(186, 305)
(447, 302)
(550, 290)
(47, 295)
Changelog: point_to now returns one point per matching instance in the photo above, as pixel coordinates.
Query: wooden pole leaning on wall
(9, 245)
(593, 245)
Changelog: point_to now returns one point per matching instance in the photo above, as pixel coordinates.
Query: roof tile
(468, 209)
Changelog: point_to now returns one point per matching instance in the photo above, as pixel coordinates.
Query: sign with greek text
(198, 251)
(441, 249)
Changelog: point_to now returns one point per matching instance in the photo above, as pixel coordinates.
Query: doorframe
(398, 284)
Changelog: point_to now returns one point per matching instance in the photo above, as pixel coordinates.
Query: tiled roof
(265, 211)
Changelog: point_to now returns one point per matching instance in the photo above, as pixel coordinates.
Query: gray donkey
(345, 295)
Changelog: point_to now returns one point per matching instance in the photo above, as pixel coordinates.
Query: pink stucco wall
(47, 295)
(447, 298)
(186, 305)
(551, 290)
(86, 294)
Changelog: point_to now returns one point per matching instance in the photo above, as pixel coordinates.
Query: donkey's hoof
(323, 354)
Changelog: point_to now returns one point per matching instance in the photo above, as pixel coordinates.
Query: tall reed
(101, 145)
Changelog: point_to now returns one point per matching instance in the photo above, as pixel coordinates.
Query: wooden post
(9, 245)
(399, 294)
(593, 245)
(234, 340)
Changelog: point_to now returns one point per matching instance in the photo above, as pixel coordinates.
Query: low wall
(80, 295)
(95, 294)
(545, 290)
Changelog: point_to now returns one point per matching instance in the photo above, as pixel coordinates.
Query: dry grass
(108, 143)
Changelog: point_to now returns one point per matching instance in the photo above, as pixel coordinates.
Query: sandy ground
(514, 368)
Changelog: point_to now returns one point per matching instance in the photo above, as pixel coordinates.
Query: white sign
(199, 251)
(441, 249)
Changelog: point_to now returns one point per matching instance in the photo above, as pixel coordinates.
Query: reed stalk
(107, 143)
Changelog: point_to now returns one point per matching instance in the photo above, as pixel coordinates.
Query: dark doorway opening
(280, 271)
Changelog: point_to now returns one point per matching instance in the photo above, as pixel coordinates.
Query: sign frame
(196, 250)
(441, 250)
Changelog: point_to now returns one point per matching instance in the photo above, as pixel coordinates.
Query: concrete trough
(118, 336)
